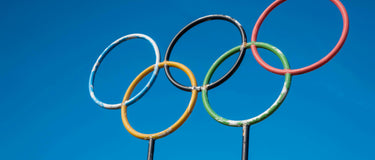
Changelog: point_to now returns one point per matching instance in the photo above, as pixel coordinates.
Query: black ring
(191, 25)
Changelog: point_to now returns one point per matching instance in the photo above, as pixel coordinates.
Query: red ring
(312, 67)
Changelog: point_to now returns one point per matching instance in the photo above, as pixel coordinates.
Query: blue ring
(104, 54)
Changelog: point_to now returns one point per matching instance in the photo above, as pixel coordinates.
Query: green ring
(265, 114)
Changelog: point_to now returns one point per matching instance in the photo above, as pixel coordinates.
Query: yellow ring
(179, 122)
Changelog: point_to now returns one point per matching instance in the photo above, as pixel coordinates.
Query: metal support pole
(150, 155)
(245, 142)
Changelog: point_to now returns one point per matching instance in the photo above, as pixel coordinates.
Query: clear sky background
(49, 47)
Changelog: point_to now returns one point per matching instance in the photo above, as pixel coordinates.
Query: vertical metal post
(245, 142)
(150, 155)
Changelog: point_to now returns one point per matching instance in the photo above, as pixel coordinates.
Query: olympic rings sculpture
(194, 88)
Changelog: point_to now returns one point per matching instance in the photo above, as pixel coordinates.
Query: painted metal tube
(313, 66)
(275, 105)
(151, 144)
(242, 51)
(179, 122)
(245, 142)
(105, 53)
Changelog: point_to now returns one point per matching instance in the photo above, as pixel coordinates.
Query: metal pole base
(245, 142)
(150, 155)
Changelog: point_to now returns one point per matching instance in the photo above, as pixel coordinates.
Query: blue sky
(49, 48)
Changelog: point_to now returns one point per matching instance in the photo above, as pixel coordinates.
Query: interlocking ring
(191, 25)
(179, 122)
(105, 53)
(265, 114)
(312, 67)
